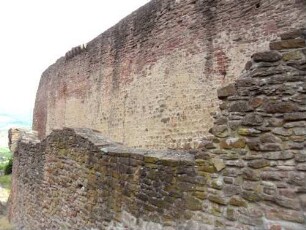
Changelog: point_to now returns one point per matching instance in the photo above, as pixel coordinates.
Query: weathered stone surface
(220, 131)
(230, 143)
(295, 124)
(248, 132)
(218, 164)
(288, 215)
(269, 138)
(299, 33)
(297, 116)
(280, 155)
(253, 163)
(251, 196)
(287, 44)
(293, 55)
(238, 201)
(217, 199)
(280, 107)
(226, 91)
(300, 157)
(288, 203)
(250, 174)
(240, 106)
(282, 132)
(252, 120)
(256, 164)
(268, 56)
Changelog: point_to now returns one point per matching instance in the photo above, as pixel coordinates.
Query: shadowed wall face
(150, 81)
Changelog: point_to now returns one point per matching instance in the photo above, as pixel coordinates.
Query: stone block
(231, 143)
(287, 44)
(231, 190)
(293, 55)
(268, 56)
(251, 196)
(226, 91)
(238, 201)
(240, 106)
(250, 174)
(279, 155)
(218, 164)
(220, 131)
(297, 116)
(248, 132)
(252, 119)
(280, 107)
(298, 33)
(217, 199)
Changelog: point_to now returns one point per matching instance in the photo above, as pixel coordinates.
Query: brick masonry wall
(150, 81)
(250, 174)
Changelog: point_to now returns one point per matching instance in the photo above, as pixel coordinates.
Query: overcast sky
(35, 33)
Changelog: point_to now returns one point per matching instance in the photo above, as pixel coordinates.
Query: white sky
(35, 33)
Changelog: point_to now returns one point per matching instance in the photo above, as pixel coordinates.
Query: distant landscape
(8, 121)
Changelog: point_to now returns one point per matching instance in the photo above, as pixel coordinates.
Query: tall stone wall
(150, 81)
(251, 173)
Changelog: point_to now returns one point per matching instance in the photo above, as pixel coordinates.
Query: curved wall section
(150, 81)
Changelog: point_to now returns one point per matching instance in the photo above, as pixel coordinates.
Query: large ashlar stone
(287, 44)
(268, 56)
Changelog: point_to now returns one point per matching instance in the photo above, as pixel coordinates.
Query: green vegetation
(5, 152)
(8, 167)
(5, 181)
(6, 160)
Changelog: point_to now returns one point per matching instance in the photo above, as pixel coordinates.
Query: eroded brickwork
(150, 81)
(251, 173)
